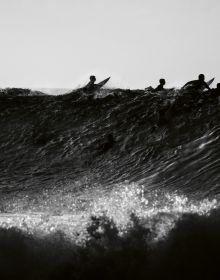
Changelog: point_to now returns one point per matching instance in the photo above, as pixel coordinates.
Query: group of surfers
(196, 85)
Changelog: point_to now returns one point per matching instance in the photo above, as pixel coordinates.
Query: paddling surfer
(160, 86)
(107, 145)
(197, 84)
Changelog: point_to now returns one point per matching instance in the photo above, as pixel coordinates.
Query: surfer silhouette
(107, 145)
(160, 86)
(216, 91)
(197, 84)
(91, 85)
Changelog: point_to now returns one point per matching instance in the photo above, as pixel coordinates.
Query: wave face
(62, 184)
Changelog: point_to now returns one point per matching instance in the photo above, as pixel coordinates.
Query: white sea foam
(155, 210)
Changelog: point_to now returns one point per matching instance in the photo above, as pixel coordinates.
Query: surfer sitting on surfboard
(91, 85)
(199, 84)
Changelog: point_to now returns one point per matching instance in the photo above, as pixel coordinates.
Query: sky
(60, 43)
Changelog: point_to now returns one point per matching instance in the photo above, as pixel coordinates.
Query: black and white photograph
(109, 139)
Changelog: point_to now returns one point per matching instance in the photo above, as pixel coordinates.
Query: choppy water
(159, 181)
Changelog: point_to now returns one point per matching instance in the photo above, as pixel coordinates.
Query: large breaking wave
(149, 202)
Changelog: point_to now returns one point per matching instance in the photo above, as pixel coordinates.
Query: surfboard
(210, 82)
(102, 83)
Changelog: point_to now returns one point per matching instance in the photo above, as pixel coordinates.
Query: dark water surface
(150, 202)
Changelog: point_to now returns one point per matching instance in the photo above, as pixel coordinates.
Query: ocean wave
(190, 250)
(46, 140)
(144, 207)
